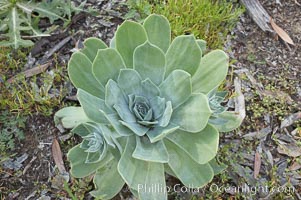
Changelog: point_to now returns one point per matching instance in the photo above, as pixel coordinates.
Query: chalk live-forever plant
(148, 106)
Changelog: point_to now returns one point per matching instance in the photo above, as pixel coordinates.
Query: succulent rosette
(144, 101)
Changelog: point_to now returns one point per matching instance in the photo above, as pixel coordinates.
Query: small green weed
(42, 93)
(206, 19)
(19, 18)
(11, 130)
(138, 9)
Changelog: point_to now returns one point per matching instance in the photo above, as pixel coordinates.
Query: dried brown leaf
(57, 156)
(284, 36)
(291, 149)
(257, 164)
(31, 72)
(290, 119)
(295, 166)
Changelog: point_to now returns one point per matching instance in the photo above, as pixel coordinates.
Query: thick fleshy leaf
(164, 121)
(92, 45)
(107, 65)
(84, 129)
(103, 176)
(79, 168)
(153, 173)
(128, 36)
(230, 121)
(202, 146)
(80, 73)
(115, 122)
(94, 157)
(135, 127)
(152, 152)
(193, 115)
(150, 90)
(149, 62)
(158, 133)
(124, 113)
(112, 43)
(70, 117)
(159, 104)
(176, 87)
(92, 106)
(211, 72)
(190, 173)
(184, 53)
(129, 81)
(158, 31)
(114, 95)
(217, 167)
(110, 136)
(202, 44)
(169, 171)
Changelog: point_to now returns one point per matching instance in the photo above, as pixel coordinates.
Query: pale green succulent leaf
(201, 147)
(92, 106)
(130, 169)
(184, 53)
(79, 167)
(149, 62)
(135, 127)
(84, 129)
(116, 152)
(91, 47)
(158, 133)
(113, 43)
(212, 71)
(103, 176)
(176, 87)
(110, 136)
(164, 120)
(115, 122)
(107, 65)
(129, 81)
(152, 152)
(150, 90)
(95, 157)
(129, 35)
(158, 31)
(134, 192)
(231, 120)
(169, 171)
(203, 45)
(217, 167)
(114, 95)
(70, 117)
(190, 173)
(80, 73)
(158, 103)
(124, 113)
(193, 115)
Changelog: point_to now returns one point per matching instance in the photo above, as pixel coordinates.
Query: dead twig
(258, 14)
(239, 99)
(55, 49)
(29, 164)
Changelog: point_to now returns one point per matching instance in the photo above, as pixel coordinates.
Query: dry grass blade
(257, 164)
(284, 36)
(57, 156)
